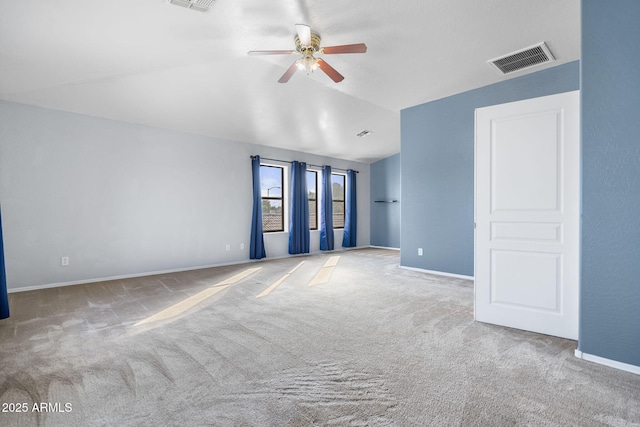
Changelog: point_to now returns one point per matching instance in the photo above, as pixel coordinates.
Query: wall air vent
(522, 59)
(199, 5)
(363, 133)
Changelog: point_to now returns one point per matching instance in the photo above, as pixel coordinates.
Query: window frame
(343, 201)
(315, 174)
(281, 198)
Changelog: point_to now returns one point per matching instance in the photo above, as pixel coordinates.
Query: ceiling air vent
(363, 133)
(199, 5)
(525, 58)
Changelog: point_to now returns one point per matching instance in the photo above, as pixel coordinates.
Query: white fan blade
(304, 34)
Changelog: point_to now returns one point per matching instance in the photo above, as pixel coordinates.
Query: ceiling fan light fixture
(307, 63)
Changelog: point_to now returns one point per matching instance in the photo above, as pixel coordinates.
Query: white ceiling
(149, 62)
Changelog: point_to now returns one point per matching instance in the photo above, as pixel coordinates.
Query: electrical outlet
(241, 246)
(419, 251)
(64, 261)
(228, 247)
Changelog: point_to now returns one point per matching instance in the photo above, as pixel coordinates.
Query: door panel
(527, 214)
(509, 287)
(524, 162)
(523, 231)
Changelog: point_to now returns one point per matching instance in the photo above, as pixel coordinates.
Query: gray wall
(437, 151)
(385, 217)
(610, 288)
(120, 199)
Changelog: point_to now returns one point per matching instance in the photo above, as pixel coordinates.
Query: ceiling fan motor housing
(310, 49)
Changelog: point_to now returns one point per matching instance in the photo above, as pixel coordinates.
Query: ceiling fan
(307, 44)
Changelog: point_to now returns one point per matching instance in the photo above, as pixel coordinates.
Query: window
(271, 185)
(312, 193)
(337, 188)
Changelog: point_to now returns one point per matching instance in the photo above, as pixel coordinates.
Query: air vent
(199, 5)
(363, 133)
(522, 59)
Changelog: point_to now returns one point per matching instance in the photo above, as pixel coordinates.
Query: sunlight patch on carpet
(278, 282)
(324, 274)
(196, 299)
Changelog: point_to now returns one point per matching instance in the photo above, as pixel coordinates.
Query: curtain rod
(308, 164)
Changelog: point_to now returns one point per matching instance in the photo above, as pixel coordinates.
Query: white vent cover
(524, 58)
(363, 133)
(199, 5)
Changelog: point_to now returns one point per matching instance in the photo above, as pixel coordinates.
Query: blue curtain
(351, 218)
(4, 298)
(326, 211)
(299, 219)
(256, 245)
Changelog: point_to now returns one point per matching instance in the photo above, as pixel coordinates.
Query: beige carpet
(367, 344)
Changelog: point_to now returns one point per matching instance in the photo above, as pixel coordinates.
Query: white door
(527, 211)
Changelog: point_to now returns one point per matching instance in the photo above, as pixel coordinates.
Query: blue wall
(610, 285)
(437, 152)
(385, 217)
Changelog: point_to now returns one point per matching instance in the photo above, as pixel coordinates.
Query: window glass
(312, 193)
(271, 180)
(337, 187)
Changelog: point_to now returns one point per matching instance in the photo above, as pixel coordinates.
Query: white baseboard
(314, 252)
(608, 362)
(120, 277)
(439, 273)
(154, 273)
(384, 247)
